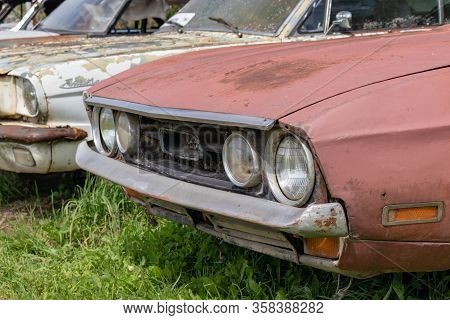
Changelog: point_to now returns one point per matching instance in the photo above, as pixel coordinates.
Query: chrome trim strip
(223, 119)
(441, 11)
(307, 222)
(269, 168)
(387, 210)
(328, 18)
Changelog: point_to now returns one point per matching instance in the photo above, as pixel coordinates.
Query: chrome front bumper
(316, 220)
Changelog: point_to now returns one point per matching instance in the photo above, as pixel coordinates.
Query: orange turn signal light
(323, 247)
(412, 213)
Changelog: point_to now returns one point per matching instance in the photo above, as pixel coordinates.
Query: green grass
(99, 245)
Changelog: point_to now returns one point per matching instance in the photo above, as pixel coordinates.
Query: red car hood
(271, 81)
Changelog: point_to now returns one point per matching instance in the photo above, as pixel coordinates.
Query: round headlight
(289, 168)
(27, 102)
(241, 162)
(29, 97)
(127, 133)
(108, 128)
(104, 131)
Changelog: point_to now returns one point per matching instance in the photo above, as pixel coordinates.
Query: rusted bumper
(26, 149)
(307, 222)
(22, 134)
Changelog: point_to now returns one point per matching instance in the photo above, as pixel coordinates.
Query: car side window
(387, 14)
(314, 21)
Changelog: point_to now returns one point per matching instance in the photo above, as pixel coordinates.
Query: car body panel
(385, 145)
(250, 81)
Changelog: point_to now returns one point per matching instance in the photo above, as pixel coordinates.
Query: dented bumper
(27, 149)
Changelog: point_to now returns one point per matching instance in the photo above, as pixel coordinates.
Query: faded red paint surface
(35, 135)
(374, 257)
(376, 111)
(385, 144)
(274, 80)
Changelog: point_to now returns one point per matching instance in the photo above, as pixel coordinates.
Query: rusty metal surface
(374, 257)
(35, 135)
(310, 221)
(271, 81)
(382, 145)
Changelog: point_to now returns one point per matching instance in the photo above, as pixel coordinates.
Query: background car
(42, 80)
(329, 154)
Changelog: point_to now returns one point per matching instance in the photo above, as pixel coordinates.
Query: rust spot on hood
(273, 74)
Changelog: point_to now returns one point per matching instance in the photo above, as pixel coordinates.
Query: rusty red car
(330, 154)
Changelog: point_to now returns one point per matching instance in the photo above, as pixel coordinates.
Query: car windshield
(248, 16)
(83, 16)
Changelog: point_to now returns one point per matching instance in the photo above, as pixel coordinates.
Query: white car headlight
(241, 161)
(27, 103)
(289, 168)
(104, 131)
(127, 133)
(18, 97)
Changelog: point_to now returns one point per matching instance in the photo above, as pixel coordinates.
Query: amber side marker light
(322, 247)
(412, 213)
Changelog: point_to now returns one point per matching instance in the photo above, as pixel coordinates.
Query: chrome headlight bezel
(270, 165)
(98, 136)
(255, 176)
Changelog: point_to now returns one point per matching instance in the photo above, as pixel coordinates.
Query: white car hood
(23, 34)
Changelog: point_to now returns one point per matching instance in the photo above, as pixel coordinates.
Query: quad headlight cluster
(115, 131)
(287, 164)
